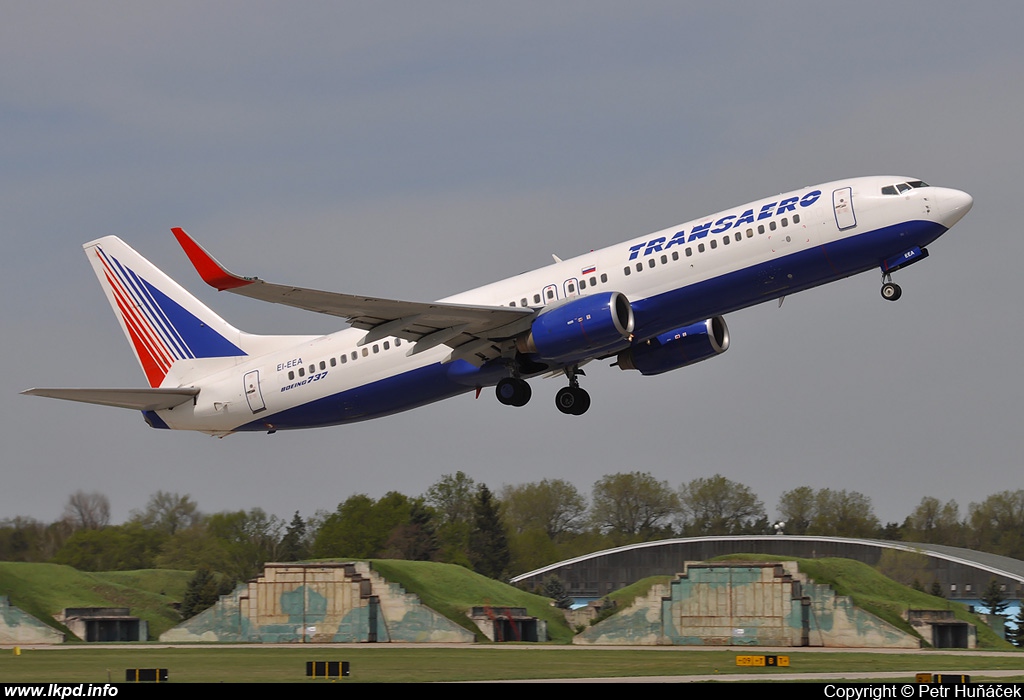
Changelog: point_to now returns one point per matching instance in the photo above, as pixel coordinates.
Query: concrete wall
(745, 604)
(18, 627)
(318, 603)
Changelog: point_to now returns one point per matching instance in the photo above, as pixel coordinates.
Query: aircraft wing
(475, 333)
(137, 399)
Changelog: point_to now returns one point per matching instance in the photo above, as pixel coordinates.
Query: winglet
(212, 272)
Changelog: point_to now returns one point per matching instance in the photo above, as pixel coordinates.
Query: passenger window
(739, 236)
(796, 218)
(355, 355)
(387, 345)
(344, 359)
(583, 284)
(785, 222)
(750, 233)
(760, 229)
(572, 289)
(376, 348)
(675, 254)
(626, 271)
(593, 281)
(312, 369)
(689, 252)
(302, 372)
(291, 375)
(536, 298)
(522, 302)
(772, 226)
(664, 259)
(398, 341)
(714, 244)
(511, 303)
(639, 267)
(700, 247)
(334, 362)
(366, 352)
(650, 263)
(726, 240)
(323, 365)
(604, 278)
(551, 294)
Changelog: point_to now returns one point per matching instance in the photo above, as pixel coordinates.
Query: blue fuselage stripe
(657, 314)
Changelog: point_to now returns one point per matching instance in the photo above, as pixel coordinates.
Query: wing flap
(136, 399)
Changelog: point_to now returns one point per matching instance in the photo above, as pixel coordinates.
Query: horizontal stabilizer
(137, 399)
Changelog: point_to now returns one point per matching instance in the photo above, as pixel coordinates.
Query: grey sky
(414, 150)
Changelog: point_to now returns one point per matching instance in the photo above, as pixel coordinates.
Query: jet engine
(678, 348)
(579, 328)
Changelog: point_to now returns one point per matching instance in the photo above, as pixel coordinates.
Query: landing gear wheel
(891, 291)
(572, 400)
(513, 391)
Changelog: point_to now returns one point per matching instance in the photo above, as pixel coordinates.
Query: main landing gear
(572, 400)
(513, 391)
(890, 290)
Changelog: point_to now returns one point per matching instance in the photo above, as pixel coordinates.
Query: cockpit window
(903, 187)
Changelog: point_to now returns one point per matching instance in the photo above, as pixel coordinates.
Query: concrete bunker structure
(318, 603)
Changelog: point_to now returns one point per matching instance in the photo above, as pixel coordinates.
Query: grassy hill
(451, 590)
(43, 590)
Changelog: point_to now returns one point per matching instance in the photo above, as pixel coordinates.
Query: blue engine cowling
(579, 328)
(678, 348)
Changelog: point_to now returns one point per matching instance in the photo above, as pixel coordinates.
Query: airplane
(654, 304)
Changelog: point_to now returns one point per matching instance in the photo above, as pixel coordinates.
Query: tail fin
(162, 321)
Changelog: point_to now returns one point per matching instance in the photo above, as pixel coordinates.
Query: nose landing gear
(890, 290)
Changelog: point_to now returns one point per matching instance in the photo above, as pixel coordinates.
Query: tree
(633, 504)
(488, 545)
(452, 498)
(934, 522)
(796, 510)
(554, 588)
(168, 512)
(360, 528)
(293, 544)
(994, 598)
(718, 506)
(116, 548)
(997, 524)
(552, 505)
(416, 539)
(87, 511)
(1015, 634)
(202, 591)
(249, 539)
(843, 514)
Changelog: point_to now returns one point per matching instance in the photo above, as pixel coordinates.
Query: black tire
(891, 291)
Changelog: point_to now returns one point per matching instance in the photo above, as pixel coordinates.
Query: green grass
(383, 663)
(880, 595)
(451, 590)
(43, 590)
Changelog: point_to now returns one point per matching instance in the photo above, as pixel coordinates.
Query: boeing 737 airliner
(653, 304)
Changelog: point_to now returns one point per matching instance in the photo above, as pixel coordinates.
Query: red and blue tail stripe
(161, 330)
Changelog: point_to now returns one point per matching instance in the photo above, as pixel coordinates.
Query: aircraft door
(571, 287)
(253, 395)
(842, 204)
(549, 294)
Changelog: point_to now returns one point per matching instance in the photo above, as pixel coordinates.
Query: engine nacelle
(578, 328)
(678, 348)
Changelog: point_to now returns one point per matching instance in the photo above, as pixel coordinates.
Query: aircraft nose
(955, 205)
